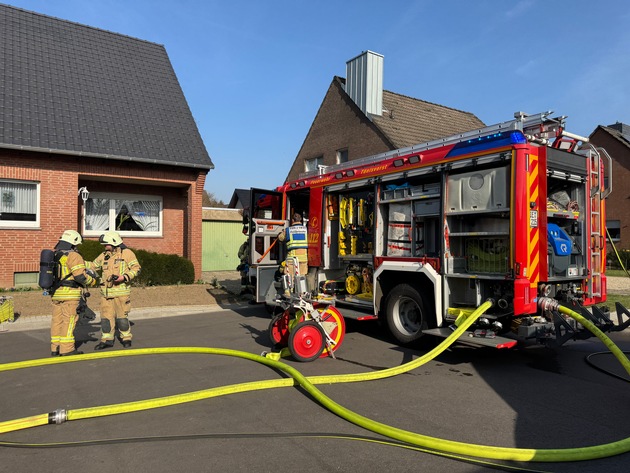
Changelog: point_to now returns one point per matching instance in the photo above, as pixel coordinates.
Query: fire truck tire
(406, 317)
(307, 341)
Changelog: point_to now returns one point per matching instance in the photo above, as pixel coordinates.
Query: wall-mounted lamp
(84, 193)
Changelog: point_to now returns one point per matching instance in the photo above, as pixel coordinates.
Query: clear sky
(255, 72)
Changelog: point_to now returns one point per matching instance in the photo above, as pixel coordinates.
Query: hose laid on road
(308, 384)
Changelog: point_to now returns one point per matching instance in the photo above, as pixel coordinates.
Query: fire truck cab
(422, 235)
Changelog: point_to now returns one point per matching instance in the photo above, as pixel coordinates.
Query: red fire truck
(420, 236)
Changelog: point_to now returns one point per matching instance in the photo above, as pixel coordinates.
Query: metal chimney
(364, 82)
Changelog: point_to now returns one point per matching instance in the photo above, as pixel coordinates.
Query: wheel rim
(334, 325)
(306, 342)
(408, 316)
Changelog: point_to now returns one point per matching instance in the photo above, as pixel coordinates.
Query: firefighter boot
(70, 353)
(55, 353)
(103, 345)
(126, 343)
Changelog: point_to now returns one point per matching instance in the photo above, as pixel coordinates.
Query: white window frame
(22, 223)
(313, 163)
(113, 214)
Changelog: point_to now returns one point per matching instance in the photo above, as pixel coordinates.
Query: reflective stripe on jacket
(297, 238)
(71, 265)
(116, 263)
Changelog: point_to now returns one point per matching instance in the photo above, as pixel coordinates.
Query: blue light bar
(486, 143)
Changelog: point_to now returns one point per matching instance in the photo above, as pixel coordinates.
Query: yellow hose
(449, 446)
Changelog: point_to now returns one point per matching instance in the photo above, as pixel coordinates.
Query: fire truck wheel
(306, 341)
(406, 318)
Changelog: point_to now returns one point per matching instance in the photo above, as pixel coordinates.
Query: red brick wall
(339, 124)
(618, 203)
(60, 206)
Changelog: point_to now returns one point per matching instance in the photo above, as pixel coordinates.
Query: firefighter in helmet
(296, 239)
(71, 279)
(119, 266)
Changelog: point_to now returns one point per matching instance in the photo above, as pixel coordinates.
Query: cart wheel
(334, 325)
(306, 342)
(279, 329)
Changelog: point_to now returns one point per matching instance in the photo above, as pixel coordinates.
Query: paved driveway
(530, 398)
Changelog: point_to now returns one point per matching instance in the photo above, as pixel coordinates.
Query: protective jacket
(297, 239)
(72, 277)
(119, 261)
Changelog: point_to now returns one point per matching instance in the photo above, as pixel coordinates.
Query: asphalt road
(529, 398)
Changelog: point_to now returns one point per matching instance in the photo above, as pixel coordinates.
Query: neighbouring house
(240, 199)
(357, 118)
(615, 139)
(95, 135)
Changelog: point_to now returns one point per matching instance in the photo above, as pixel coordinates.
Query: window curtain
(146, 213)
(97, 214)
(138, 215)
(18, 198)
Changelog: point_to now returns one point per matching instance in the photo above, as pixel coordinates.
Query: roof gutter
(36, 149)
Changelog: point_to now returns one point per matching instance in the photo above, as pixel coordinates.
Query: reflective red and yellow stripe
(533, 243)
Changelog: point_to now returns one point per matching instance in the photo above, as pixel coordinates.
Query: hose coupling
(547, 303)
(57, 417)
(502, 303)
(491, 301)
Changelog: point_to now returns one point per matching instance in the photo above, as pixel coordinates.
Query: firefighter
(71, 279)
(243, 267)
(296, 238)
(119, 266)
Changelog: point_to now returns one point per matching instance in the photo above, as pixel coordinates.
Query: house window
(342, 156)
(19, 204)
(312, 164)
(614, 229)
(129, 215)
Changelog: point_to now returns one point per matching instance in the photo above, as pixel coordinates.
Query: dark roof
(407, 121)
(619, 131)
(241, 195)
(74, 89)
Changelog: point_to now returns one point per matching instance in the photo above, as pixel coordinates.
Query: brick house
(615, 139)
(357, 118)
(84, 109)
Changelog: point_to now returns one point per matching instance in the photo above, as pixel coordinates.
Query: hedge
(158, 269)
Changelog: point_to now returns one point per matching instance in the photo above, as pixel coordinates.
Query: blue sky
(255, 72)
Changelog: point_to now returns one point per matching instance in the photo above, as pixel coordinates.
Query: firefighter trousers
(115, 315)
(64, 320)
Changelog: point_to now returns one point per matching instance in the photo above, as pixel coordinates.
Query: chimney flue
(364, 82)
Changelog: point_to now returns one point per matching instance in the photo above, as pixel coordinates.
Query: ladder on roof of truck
(535, 126)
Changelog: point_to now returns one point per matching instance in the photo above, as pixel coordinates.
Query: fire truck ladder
(536, 127)
(599, 190)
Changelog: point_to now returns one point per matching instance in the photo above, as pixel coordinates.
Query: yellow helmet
(111, 238)
(72, 237)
